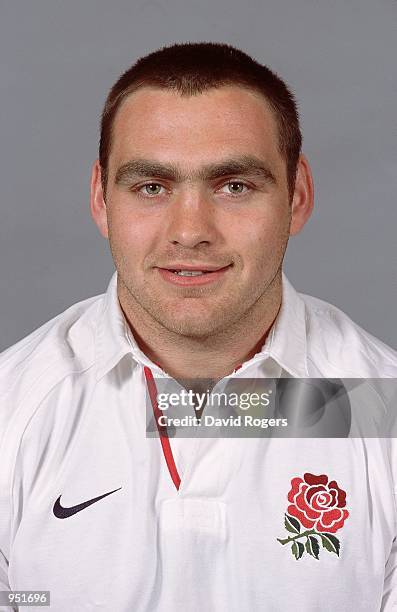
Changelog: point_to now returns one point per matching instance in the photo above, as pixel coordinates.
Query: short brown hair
(192, 68)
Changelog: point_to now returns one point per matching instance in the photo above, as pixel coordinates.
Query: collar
(113, 339)
(286, 342)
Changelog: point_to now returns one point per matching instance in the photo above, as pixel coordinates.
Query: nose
(191, 220)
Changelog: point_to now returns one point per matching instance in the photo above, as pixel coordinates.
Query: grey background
(58, 60)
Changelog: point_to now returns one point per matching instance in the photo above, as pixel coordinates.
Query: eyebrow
(245, 165)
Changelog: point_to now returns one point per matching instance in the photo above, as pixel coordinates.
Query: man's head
(201, 173)
(193, 68)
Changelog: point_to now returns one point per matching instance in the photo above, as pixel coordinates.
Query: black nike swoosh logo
(61, 512)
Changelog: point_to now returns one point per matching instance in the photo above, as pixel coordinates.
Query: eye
(235, 188)
(150, 189)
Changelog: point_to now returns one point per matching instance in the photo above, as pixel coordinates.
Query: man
(199, 184)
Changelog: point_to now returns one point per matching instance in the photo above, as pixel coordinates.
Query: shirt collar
(112, 340)
(286, 342)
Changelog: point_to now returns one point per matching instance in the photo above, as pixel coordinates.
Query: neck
(212, 357)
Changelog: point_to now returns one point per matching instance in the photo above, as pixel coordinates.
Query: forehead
(214, 124)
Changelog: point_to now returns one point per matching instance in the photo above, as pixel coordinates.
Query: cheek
(262, 235)
(130, 235)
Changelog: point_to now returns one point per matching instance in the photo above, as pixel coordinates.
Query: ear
(303, 198)
(97, 201)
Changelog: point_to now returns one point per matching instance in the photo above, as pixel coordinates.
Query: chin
(192, 328)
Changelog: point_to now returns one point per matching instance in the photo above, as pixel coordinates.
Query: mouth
(185, 275)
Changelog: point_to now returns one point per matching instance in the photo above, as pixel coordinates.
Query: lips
(187, 275)
(189, 268)
(192, 272)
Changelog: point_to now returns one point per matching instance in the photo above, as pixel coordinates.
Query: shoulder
(62, 345)
(343, 345)
(33, 368)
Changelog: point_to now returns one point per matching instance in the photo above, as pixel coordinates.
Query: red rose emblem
(317, 503)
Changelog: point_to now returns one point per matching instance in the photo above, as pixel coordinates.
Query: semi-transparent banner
(277, 408)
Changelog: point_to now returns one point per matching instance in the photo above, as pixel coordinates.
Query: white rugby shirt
(72, 424)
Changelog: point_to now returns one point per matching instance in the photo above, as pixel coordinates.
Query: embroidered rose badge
(316, 512)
